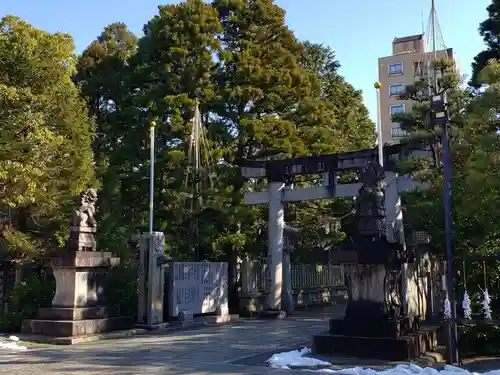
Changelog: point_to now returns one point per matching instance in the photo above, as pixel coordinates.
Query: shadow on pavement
(213, 349)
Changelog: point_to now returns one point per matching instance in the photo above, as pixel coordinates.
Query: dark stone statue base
(368, 319)
(371, 251)
(373, 327)
(404, 348)
(368, 332)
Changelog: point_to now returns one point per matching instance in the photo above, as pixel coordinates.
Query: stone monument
(375, 325)
(152, 260)
(78, 307)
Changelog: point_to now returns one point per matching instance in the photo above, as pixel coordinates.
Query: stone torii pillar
(275, 196)
(288, 247)
(275, 243)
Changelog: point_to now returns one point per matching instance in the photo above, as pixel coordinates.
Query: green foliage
(45, 155)
(490, 31)
(475, 146)
(24, 301)
(480, 339)
(261, 93)
(121, 289)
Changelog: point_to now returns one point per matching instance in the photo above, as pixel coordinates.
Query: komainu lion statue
(85, 215)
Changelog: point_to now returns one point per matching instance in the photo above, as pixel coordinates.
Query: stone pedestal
(78, 307)
(373, 308)
(374, 325)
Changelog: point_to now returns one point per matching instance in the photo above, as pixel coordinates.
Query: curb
(162, 329)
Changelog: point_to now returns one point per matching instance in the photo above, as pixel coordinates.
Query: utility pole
(441, 117)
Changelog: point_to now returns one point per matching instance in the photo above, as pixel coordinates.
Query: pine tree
(45, 142)
(418, 124)
(475, 150)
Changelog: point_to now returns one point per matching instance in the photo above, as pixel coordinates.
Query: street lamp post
(152, 176)
(440, 116)
(380, 143)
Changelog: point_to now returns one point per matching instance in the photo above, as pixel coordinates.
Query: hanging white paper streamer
(447, 308)
(486, 304)
(466, 306)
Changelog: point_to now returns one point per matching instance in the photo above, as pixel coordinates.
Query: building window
(397, 132)
(418, 70)
(397, 108)
(396, 90)
(396, 69)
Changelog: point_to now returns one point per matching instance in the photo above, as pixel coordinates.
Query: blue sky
(359, 30)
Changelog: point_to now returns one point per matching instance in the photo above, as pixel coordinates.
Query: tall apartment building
(408, 63)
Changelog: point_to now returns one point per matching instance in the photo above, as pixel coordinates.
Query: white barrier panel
(198, 287)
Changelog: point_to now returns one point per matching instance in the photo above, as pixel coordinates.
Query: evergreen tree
(160, 80)
(475, 147)
(172, 74)
(490, 31)
(344, 115)
(45, 138)
(104, 74)
(418, 124)
(342, 125)
(265, 95)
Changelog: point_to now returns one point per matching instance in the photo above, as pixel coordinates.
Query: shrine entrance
(381, 309)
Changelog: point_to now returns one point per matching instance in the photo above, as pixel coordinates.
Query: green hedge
(34, 292)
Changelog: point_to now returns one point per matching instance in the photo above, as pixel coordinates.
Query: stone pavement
(238, 348)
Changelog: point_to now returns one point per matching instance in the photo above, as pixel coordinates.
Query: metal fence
(304, 277)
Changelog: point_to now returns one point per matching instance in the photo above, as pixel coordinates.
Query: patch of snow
(11, 343)
(297, 359)
(410, 369)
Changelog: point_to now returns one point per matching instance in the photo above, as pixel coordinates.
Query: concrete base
(70, 328)
(77, 313)
(77, 321)
(137, 331)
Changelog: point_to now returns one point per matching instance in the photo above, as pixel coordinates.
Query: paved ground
(239, 348)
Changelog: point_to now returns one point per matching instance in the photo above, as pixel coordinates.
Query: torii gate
(279, 171)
